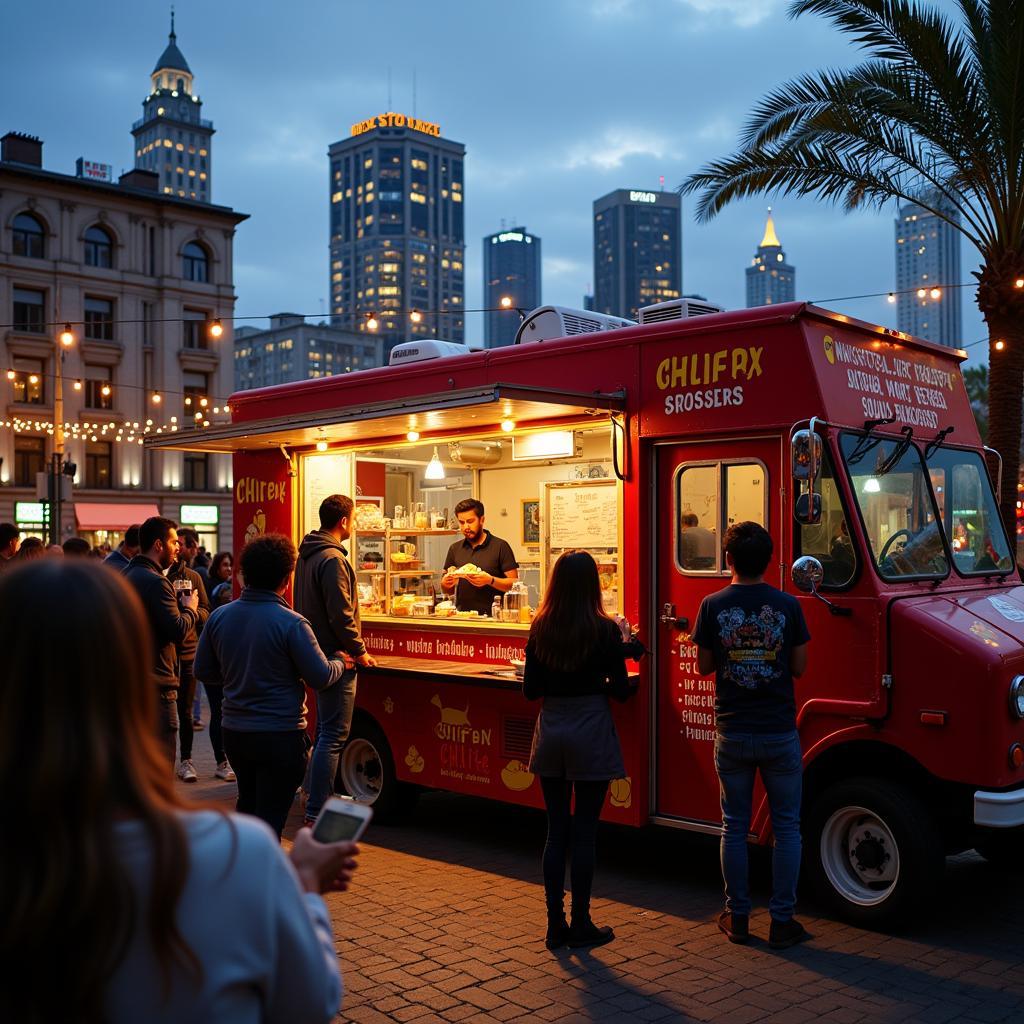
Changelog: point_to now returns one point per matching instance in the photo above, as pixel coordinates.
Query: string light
(67, 338)
(372, 323)
(216, 329)
(415, 316)
(1000, 345)
(77, 385)
(506, 302)
(892, 297)
(105, 391)
(156, 398)
(936, 293)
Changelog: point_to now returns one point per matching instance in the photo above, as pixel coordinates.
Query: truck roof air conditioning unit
(429, 348)
(548, 322)
(678, 309)
(474, 453)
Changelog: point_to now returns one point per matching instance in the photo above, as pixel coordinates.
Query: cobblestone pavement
(445, 923)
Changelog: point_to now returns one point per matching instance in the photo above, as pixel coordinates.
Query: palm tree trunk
(1005, 394)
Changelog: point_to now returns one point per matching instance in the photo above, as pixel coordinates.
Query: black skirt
(575, 739)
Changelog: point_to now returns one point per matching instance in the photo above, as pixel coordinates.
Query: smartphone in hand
(341, 818)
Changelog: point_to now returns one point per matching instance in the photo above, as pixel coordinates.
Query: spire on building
(172, 58)
(770, 238)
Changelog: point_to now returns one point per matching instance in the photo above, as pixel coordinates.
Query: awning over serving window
(454, 413)
(109, 516)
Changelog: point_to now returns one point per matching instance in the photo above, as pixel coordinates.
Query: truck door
(703, 488)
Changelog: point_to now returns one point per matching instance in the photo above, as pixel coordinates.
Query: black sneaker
(784, 934)
(735, 927)
(588, 934)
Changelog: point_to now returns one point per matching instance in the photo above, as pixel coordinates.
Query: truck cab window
(829, 540)
(968, 512)
(710, 497)
(896, 505)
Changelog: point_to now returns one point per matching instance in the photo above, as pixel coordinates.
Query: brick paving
(445, 923)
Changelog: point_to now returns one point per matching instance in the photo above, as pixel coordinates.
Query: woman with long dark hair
(117, 902)
(575, 660)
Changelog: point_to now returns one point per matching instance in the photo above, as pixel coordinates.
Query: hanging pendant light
(434, 470)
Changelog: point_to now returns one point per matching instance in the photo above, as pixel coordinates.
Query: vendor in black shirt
(491, 555)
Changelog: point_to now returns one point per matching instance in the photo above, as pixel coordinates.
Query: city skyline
(569, 137)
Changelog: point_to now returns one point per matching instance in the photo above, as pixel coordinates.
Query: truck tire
(1003, 848)
(871, 851)
(366, 772)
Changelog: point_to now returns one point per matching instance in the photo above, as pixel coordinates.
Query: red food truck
(854, 445)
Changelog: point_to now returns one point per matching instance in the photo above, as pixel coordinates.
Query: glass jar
(419, 516)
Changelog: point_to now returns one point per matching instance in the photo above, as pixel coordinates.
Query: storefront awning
(455, 413)
(108, 516)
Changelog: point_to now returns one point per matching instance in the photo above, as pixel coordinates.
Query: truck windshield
(968, 512)
(896, 506)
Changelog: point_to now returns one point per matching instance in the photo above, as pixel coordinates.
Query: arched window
(195, 263)
(99, 248)
(29, 236)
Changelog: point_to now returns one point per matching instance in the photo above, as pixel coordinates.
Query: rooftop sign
(642, 197)
(392, 120)
(93, 171)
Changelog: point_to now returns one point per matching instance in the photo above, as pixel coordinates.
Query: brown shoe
(735, 927)
(784, 934)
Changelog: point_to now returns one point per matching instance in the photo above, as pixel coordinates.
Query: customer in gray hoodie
(260, 651)
(325, 592)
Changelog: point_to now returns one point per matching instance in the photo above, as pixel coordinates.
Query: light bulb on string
(216, 330)
(67, 338)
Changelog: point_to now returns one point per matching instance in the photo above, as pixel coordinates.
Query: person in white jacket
(118, 903)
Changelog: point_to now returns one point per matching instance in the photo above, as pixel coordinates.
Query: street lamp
(65, 340)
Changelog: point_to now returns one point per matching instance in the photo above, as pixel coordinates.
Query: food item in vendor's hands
(469, 569)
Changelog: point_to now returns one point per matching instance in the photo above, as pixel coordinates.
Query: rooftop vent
(137, 177)
(419, 351)
(678, 309)
(548, 322)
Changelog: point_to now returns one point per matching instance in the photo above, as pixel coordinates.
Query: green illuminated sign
(31, 512)
(199, 515)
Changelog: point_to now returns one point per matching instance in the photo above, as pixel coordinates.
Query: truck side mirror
(805, 458)
(807, 574)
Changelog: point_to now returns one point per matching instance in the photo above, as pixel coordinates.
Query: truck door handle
(669, 618)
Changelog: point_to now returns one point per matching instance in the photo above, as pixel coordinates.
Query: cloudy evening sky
(557, 102)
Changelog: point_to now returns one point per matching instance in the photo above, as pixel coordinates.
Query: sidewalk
(445, 922)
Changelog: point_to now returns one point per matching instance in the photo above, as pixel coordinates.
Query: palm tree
(934, 116)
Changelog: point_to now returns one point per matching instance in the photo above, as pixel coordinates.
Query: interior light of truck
(871, 486)
(508, 426)
(321, 446)
(1017, 696)
(435, 469)
(412, 436)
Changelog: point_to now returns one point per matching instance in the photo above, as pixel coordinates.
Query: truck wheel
(1003, 849)
(366, 772)
(872, 851)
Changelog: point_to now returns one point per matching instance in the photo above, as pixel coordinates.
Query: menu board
(323, 475)
(583, 514)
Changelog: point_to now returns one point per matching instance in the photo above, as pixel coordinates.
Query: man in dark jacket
(186, 674)
(119, 558)
(260, 651)
(171, 618)
(325, 593)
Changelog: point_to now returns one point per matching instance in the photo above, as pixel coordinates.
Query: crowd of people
(198, 915)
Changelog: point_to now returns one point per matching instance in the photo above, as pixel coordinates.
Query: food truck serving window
(968, 512)
(709, 498)
(830, 539)
(896, 504)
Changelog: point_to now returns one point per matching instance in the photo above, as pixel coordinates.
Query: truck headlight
(1017, 696)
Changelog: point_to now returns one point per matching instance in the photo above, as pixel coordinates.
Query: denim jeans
(167, 723)
(738, 757)
(334, 707)
(186, 693)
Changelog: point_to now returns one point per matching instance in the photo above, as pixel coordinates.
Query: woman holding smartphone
(575, 661)
(118, 903)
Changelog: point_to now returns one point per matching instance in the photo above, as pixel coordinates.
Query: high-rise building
(927, 271)
(142, 278)
(397, 235)
(511, 272)
(638, 251)
(770, 279)
(171, 138)
(294, 350)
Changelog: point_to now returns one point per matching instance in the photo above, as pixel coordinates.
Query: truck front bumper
(999, 810)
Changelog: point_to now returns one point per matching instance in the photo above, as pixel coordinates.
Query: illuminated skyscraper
(512, 271)
(770, 279)
(928, 258)
(397, 236)
(171, 138)
(638, 250)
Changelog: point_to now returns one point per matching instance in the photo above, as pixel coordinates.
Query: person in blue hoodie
(260, 651)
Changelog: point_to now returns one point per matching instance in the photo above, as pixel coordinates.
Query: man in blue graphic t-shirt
(754, 638)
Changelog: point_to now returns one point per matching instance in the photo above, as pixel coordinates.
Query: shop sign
(393, 120)
(93, 171)
(642, 197)
(31, 512)
(199, 515)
